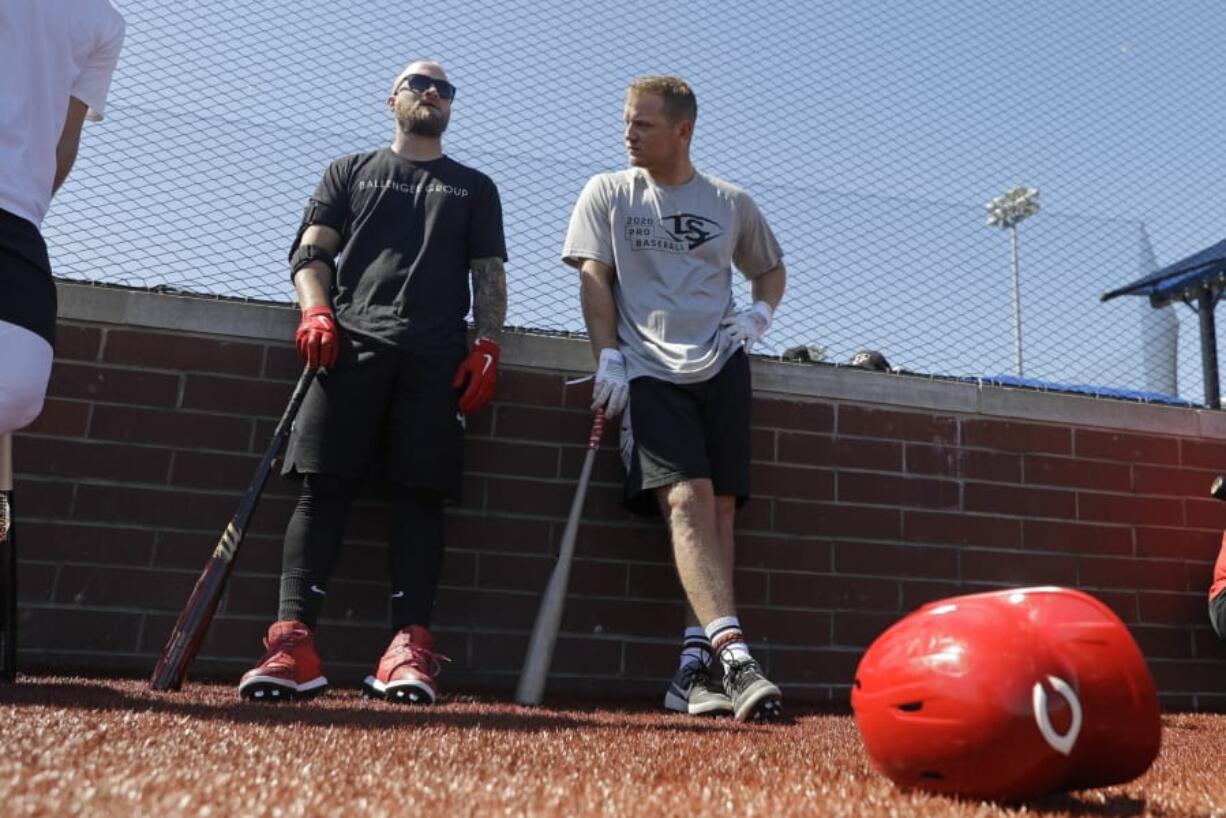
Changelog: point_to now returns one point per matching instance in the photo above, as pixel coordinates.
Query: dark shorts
(27, 292)
(688, 431)
(1217, 614)
(383, 411)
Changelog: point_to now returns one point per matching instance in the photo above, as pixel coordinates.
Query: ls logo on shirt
(674, 234)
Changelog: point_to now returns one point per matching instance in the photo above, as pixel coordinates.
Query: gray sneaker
(753, 696)
(694, 691)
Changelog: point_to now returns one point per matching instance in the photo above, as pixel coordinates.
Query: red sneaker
(408, 669)
(290, 667)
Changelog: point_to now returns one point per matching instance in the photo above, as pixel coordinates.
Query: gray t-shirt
(673, 248)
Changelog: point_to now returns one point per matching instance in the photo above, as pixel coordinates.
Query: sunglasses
(420, 84)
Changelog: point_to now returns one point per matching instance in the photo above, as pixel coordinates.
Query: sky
(870, 135)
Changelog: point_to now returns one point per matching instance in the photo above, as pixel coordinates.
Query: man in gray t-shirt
(655, 245)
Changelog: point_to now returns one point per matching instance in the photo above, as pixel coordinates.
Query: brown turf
(74, 746)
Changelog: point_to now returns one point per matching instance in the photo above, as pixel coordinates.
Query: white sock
(696, 647)
(728, 640)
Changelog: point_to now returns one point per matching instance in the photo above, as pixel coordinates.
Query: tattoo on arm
(489, 296)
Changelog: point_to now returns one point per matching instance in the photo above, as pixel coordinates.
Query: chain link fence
(871, 135)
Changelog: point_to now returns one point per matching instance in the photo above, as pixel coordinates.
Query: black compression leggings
(313, 542)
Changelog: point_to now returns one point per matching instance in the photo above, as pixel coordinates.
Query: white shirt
(50, 50)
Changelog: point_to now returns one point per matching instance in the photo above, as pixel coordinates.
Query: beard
(421, 120)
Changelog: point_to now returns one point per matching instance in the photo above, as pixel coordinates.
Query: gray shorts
(1217, 614)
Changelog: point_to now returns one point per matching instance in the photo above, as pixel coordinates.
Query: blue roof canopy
(1184, 280)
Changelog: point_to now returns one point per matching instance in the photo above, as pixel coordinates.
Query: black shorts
(383, 409)
(690, 430)
(27, 292)
(1217, 614)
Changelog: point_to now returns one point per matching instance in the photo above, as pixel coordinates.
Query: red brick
(1201, 514)
(1120, 508)
(949, 461)
(170, 428)
(113, 384)
(813, 665)
(756, 515)
(486, 610)
(543, 425)
(1067, 471)
(146, 506)
(62, 418)
(503, 533)
(109, 586)
(784, 626)
(1174, 677)
(762, 445)
(459, 569)
(860, 421)
(1199, 453)
(77, 343)
(512, 459)
(916, 594)
(837, 592)
(837, 520)
(1157, 642)
(1127, 448)
(961, 529)
(216, 393)
(166, 350)
(607, 467)
(282, 362)
(81, 629)
(189, 550)
(35, 582)
(785, 414)
(751, 587)
(1172, 608)
(1178, 543)
(903, 561)
(654, 581)
(521, 386)
(1017, 437)
(1076, 538)
(637, 617)
(82, 459)
(513, 572)
(859, 629)
(1135, 574)
(1018, 568)
(1171, 481)
(225, 472)
(600, 539)
(882, 489)
(772, 480)
(41, 499)
(852, 453)
(652, 659)
(783, 553)
(1022, 501)
(68, 542)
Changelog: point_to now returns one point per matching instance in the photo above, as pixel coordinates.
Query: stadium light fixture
(1007, 211)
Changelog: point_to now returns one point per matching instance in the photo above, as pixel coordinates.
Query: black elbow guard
(304, 254)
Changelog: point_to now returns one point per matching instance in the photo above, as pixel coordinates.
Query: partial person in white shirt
(56, 62)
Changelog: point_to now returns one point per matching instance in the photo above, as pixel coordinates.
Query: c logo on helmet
(1062, 744)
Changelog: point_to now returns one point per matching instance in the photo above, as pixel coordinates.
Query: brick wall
(874, 494)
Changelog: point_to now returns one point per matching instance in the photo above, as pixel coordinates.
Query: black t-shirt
(408, 232)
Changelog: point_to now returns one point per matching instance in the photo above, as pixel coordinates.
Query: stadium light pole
(1007, 211)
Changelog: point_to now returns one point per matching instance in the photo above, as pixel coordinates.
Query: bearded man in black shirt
(385, 322)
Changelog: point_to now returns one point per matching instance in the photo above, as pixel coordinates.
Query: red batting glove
(480, 370)
(317, 339)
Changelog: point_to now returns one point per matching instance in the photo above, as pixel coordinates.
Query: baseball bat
(184, 642)
(549, 614)
(8, 565)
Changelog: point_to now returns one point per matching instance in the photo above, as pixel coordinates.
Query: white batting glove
(747, 326)
(611, 390)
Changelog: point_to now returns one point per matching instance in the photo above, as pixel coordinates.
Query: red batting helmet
(1007, 695)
